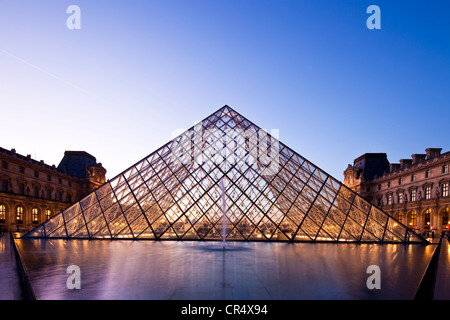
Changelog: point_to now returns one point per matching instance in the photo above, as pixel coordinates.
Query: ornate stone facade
(31, 191)
(414, 191)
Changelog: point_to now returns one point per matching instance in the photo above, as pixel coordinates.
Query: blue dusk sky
(138, 71)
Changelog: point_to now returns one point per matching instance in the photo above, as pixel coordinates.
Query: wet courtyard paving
(180, 270)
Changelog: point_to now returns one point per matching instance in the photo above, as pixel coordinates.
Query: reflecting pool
(126, 269)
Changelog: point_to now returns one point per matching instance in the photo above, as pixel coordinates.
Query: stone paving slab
(442, 287)
(6, 276)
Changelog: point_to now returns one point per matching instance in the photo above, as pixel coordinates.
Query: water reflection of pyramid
(270, 192)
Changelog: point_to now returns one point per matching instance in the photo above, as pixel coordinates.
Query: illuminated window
(19, 214)
(412, 221)
(445, 169)
(400, 197)
(412, 194)
(48, 214)
(444, 190)
(427, 218)
(427, 192)
(2, 212)
(399, 217)
(389, 199)
(34, 215)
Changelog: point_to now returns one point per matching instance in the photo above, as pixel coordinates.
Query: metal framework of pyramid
(225, 175)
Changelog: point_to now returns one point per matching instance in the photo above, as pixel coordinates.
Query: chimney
(433, 153)
(404, 163)
(418, 158)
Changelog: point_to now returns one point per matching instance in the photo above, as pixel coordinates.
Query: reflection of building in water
(414, 191)
(31, 191)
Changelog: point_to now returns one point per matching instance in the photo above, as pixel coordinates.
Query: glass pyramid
(225, 176)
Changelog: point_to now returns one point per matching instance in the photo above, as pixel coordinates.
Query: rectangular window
(2, 212)
(427, 193)
(34, 215)
(49, 194)
(445, 190)
(445, 169)
(427, 174)
(36, 192)
(413, 177)
(36, 174)
(21, 188)
(413, 195)
(389, 184)
(400, 197)
(389, 199)
(400, 180)
(4, 185)
(4, 164)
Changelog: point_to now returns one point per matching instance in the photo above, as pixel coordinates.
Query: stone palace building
(414, 191)
(31, 191)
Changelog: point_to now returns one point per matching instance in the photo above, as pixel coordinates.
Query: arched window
(412, 219)
(2, 213)
(399, 217)
(48, 214)
(427, 219)
(19, 214)
(34, 215)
